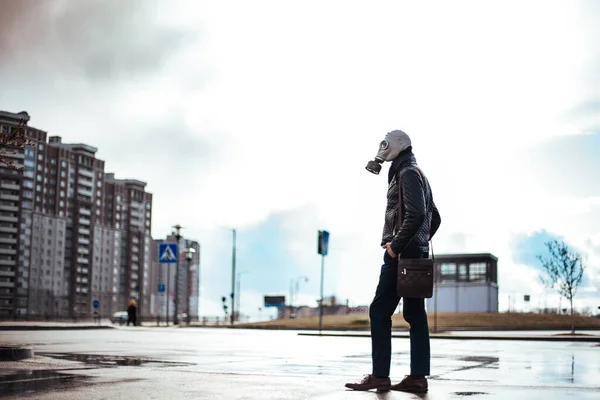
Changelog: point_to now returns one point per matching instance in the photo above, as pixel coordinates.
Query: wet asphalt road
(248, 364)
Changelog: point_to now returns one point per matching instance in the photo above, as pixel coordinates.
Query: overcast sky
(262, 116)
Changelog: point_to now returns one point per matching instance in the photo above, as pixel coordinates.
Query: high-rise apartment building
(69, 235)
(16, 206)
(129, 210)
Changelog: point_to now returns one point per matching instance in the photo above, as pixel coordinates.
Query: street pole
(435, 300)
(238, 288)
(291, 302)
(189, 290)
(233, 279)
(321, 302)
(167, 290)
(199, 279)
(178, 238)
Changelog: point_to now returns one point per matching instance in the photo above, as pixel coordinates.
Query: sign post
(168, 253)
(322, 249)
(96, 304)
(161, 294)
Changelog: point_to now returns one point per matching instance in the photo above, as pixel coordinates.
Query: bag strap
(400, 209)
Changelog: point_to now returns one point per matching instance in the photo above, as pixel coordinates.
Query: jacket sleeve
(413, 198)
(436, 221)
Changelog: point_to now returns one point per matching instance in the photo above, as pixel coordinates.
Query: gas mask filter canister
(394, 143)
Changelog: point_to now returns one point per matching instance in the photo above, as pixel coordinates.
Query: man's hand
(388, 247)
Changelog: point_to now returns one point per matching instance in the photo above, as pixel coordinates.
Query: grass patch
(471, 321)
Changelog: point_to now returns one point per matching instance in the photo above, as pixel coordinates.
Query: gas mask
(389, 148)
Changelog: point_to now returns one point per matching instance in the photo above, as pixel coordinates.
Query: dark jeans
(381, 310)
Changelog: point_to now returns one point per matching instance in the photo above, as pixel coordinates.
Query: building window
(448, 272)
(477, 272)
(40, 157)
(462, 273)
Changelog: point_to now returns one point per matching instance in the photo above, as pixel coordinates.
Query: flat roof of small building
(463, 256)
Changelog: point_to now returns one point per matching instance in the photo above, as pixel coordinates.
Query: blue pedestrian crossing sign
(95, 303)
(167, 253)
(323, 243)
(161, 288)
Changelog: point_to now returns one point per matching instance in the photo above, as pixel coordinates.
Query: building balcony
(10, 263)
(10, 197)
(85, 211)
(10, 252)
(8, 240)
(83, 241)
(8, 229)
(7, 218)
(7, 273)
(83, 261)
(9, 186)
(82, 191)
(86, 172)
(84, 221)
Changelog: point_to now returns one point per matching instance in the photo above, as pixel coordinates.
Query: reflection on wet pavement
(179, 360)
(108, 360)
(29, 382)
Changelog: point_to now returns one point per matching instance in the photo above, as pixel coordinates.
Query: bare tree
(563, 271)
(11, 141)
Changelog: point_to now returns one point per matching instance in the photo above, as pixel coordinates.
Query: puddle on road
(112, 361)
(25, 382)
(468, 393)
(29, 382)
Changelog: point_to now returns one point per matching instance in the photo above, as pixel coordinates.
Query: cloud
(567, 164)
(240, 119)
(526, 248)
(98, 41)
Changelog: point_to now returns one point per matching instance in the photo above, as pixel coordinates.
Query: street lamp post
(189, 256)
(294, 287)
(238, 290)
(178, 238)
(233, 278)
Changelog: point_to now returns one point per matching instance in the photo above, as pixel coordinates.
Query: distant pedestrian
(132, 313)
(420, 221)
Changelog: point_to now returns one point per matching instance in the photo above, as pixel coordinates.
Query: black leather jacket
(420, 216)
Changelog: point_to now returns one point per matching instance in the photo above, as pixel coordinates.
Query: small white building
(465, 283)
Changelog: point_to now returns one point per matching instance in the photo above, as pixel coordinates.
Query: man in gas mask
(420, 221)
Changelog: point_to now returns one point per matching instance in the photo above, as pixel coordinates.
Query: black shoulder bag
(415, 275)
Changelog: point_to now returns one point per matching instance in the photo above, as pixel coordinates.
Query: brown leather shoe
(412, 385)
(371, 382)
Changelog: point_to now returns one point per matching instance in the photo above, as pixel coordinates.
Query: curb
(15, 353)
(52, 328)
(589, 339)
